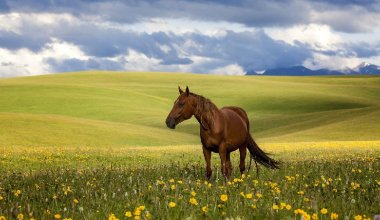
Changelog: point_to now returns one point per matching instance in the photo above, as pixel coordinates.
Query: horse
(221, 131)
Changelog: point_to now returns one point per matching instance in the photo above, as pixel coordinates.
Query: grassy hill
(129, 109)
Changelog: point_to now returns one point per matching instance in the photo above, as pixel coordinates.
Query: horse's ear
(180, 90)
(187, 91)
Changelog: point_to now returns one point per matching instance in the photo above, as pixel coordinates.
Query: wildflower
(171, 180)
(324, 211)
(1, 198)
(275, 207)
(314, 216)
(137, 217)
(148, 215)
(193, 201)
(17, 193)
(172, 187)
(180, 182)
(259, 195)
(205, 209)
(248, 196)
(288, 207)
(300, 193)
(2, 217)
(224, 197)
(57, 216)
(242, 194)
(112, 217)
(137, 212)
(193, 193)
(254, 206)
(20, 216)
(333, 216)
(172, 204)
(76, 201)
(282, 205)
(128, 214)
(358, 217)
(141, 207)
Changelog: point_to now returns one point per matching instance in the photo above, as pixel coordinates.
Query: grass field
(93, 145)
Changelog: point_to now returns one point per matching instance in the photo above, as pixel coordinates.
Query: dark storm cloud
(71, 65)
(252, 13)
(14, 41)
(251, 50)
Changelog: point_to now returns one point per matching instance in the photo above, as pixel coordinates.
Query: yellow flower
(314, 216)
(259, 195)
(248, 196)
(180, 182)
(275, 207)
(193, 201)
(171, 180)
(141, 207)
(205, 209)
(112, 217)
(57, 216)
(300, 193)
(358, 217)
(128, 214)
(1, 198)
(172, 187)
(148, 215)
(172, 204)
(333, 216)
(288, 207)
(224, 197)
(2, 218)
(76, 201)
(137, 212)
(193, 193)
(137, 217)
(324, 211)
(20, 216)
(254, 206)
(17, 192)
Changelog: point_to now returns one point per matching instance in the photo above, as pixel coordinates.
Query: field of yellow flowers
(324, 180)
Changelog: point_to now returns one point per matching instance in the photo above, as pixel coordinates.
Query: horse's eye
(181, 104)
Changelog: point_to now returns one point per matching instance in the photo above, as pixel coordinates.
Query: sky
(200, 36)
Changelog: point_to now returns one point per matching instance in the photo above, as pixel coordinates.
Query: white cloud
(331, 62)
(320, 37)
(26, 62)
(232, 69)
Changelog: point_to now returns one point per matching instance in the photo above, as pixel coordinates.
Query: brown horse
(221, 130)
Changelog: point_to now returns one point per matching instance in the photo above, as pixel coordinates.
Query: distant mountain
(363, 68)
(367, 68)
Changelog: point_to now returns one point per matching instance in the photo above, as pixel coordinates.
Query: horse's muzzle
(170, 122)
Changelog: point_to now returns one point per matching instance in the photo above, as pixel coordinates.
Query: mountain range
(362, 69)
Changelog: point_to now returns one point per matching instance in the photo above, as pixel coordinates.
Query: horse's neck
(206, 115)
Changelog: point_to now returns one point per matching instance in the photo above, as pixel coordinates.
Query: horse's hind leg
(243, 153)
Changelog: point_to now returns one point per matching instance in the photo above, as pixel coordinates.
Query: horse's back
(238, 111)
(237, 126)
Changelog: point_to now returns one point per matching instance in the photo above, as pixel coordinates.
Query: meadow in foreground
(331, 180)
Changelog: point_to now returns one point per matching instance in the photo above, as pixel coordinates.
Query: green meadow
(129, 109)
(94, 145)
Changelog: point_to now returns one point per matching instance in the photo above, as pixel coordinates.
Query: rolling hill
(129, 109)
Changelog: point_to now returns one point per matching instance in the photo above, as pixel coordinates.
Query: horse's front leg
(223, 160)
(207, 155)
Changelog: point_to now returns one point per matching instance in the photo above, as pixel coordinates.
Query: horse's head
(183, 108)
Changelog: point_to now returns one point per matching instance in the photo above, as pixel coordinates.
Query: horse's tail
(260, 156)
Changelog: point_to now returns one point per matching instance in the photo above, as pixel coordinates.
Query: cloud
(251, 13)
(189, 36)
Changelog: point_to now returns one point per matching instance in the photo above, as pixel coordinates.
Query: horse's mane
(205, 110)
